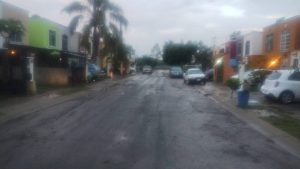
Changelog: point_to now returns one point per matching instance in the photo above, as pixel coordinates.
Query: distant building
(281, 43)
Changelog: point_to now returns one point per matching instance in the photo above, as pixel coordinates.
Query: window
(269, 43)
(247, 48)
(239, 49)
(52, 38)
(285, 41)
(64, 42)
(274, 76)
(16, 37)
(295, 76)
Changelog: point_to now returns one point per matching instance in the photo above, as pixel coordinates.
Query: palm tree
(101, 14)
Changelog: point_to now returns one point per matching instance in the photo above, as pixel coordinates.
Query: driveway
(145, 122)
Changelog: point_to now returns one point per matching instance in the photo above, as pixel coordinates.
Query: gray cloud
(157, 21)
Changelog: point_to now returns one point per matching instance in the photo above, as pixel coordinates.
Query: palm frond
(114, 30)
(76, 7)
(74, 23)
(113, 7)
(119, 18)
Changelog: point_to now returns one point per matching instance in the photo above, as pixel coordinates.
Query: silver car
(194, 76)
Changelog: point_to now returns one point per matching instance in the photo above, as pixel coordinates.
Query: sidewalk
(254, 115)
(18, 106)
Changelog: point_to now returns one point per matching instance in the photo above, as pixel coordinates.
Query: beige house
(8, 11)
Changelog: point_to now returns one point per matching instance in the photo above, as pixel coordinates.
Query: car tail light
(276, 84)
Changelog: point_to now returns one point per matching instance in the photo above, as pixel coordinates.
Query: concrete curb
(281, 138)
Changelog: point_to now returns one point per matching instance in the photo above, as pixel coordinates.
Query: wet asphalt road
(146, 122)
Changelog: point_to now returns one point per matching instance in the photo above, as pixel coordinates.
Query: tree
(102, 14)
(178, 53)
(146, 60)
(10, 27)
(187, 53)
(156, 52)
(203, 56)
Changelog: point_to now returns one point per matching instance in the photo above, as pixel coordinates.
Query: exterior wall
(39, 33)
(74, 41)
(293, 26)
(255, 39)
(52, 76)
(223, 52)
(228, 71)
(257, 62)
(8, 11)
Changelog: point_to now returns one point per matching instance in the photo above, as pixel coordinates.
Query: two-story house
(281, 43)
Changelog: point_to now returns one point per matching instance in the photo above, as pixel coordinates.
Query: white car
(147, 69)
(194, 76)
(283, 85)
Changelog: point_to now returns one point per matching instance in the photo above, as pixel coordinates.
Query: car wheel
(287, 97)
(188, 82)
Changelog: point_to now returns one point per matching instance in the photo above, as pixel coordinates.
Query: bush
(257, 78)
(233, 83)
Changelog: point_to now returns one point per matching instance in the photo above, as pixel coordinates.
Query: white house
(253, 43)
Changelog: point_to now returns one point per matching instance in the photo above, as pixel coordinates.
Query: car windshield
(195, 71)
(177, 69)
(274, 76)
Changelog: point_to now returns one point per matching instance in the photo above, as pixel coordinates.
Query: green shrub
(257, 78)
(233, 83)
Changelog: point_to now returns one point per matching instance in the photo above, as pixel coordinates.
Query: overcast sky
(157, 21)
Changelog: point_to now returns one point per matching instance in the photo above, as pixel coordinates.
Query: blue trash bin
(243, 98)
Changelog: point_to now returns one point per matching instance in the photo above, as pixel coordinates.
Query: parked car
(95, 73)
(176, 72)
(147, 69)
(283, 85)
(194, 76)
(187, 67)
(209, 75)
